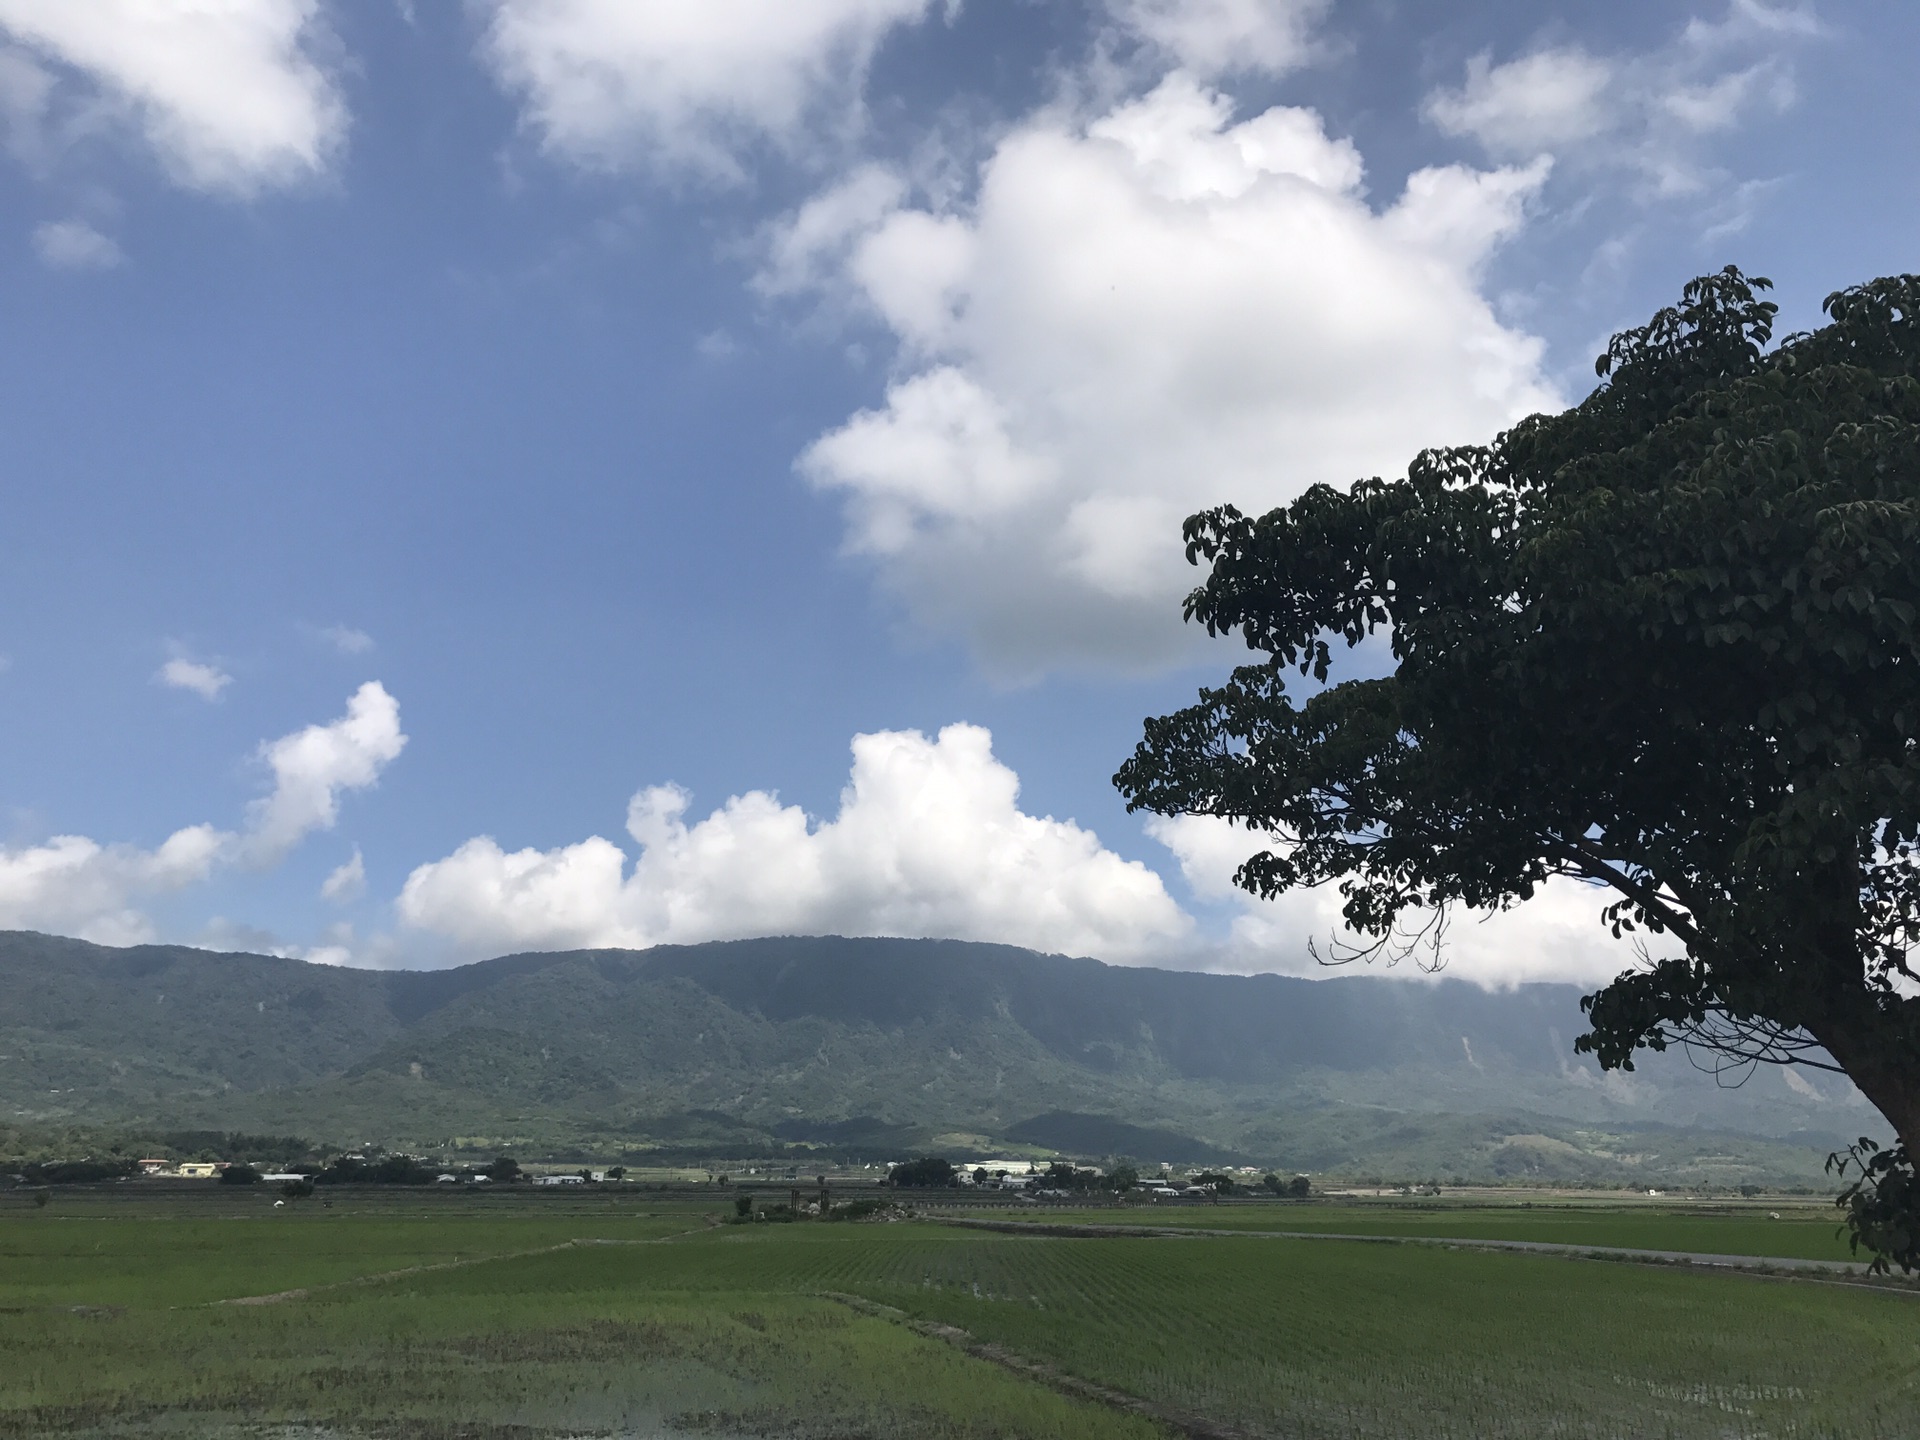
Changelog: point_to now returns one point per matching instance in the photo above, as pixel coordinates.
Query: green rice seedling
(1323, 1338)
(1803, 1232)
(540, 1322)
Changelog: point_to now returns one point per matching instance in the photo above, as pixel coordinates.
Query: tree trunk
(1880, 1051)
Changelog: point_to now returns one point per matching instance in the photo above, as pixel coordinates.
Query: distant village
(1017, 1178)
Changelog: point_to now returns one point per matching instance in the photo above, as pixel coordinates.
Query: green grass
(1802, 1232)
(657, 1323)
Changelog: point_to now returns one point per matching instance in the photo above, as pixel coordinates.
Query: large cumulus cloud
(1136, 316)
(929, 840)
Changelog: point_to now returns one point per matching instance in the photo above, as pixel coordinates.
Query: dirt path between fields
(279, 1297)
(1055, 1379)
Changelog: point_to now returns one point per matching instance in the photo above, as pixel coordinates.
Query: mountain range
(875, 1048)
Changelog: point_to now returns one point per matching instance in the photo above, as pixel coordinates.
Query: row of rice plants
(1329, 1339)
(136, 1257)
(554, 1344)
(1806, 1232)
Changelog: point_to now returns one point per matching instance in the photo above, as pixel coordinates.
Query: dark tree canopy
(1664, 643)
(929, 1172)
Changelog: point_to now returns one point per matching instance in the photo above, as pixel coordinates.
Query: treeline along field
(645, 1316)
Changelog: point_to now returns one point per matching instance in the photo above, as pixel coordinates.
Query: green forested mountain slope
(868, 1046)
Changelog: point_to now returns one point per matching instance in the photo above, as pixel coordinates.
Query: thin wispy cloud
(202, 679)
(75, 245)
(347, 640)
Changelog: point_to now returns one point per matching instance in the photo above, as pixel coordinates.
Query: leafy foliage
(1881, 1204)
(926, 1173)
(1298, 1188)
(1664, 643)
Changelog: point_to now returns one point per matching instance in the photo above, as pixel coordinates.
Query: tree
(1664, 644)
(927, 1173)
(504, 1170)
(1122, 1178)
(1064, 1175)
(238, 1174)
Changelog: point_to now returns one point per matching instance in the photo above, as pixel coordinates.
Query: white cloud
(311, 768)
(929, 841)
(347, 882)
(347, 640)
(72, 885)
(806, 251)
(1651, 114)
(1217, 37)
(230, 94)
(75, 245)
(1544, 101)
(685, 84)
(206, 681)
(1133, 319)
(1556, 936)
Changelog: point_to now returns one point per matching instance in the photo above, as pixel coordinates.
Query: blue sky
(647, 399)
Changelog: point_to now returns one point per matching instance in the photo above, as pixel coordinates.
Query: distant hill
(873, 1048)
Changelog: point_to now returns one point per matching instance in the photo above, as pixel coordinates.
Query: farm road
(1760, 1264)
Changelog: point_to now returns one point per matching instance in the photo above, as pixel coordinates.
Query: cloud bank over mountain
(73, 885)
(929, 840)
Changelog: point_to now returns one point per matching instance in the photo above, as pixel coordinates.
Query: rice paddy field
(641, 1316)
(1779, 1231)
